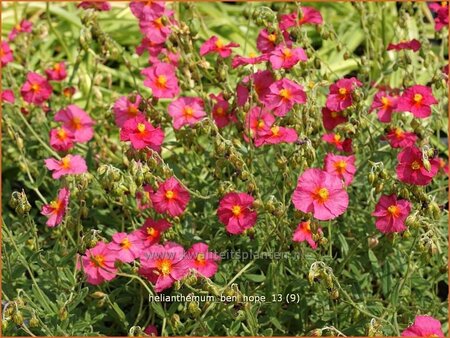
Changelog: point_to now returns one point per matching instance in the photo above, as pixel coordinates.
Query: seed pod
(34, 322)
(371, 178)
(372, 242)
(334, 294)
(316, 333)
(18, 318)
(379, 187)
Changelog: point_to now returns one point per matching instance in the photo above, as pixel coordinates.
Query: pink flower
(413, 44)
(424, 326)
(151, 330)
(144, 9)
(321, 194)
(417, 100)
(444, 165)
(239, 60)
(152, 47)
(391, 214)
(331, 119)
(163, 265)
(162, 80)
(441, 11)
(6, 54)
(61, 139)
(154, 27)
(56, 209)
(186, 111)
(97, 5)
(142, 134)
(126, 108)
(202, 260)
(385, 104)
(68, 165)
(23, 27)
(275, 135)
(336, 140)
(261, 81)
(57, 73)
(411, 169)
(235, 211)
(286, 57)
(171, 197)
(398, 138)
(8, 96)
(98, 264)
(282, 96)
(126, 247)
(309, 15)
(216, 45)
(341, 166)
(303, 233)
(267, 42)
(77, 121)
(258, 120)
(36, 89)
(340, 96)
(150, 233)
(220, 112)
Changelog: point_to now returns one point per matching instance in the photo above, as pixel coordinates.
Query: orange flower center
(287, 53)
(399, 133)
(56, 206)
(18, 27)
(164, 266)
(76, 123)
(188, 111)
(57, 67)
(394, 210)
(306, 226)
(415, 165)
(152, 232)
(65, 162)
(321, 195)
(260, 124)
(343, 91)
(161, 81)
(158, 23)
(334, 114)
(340, 166)
(125, 244)
(35, 87)
(272, 37)
(98, 260)
(62, 135)
(275, 130)
(220, 111)
(141, 128)
(132, 110)
(418, 98)
(236, 210)
(336, 138)
(170, 194)
(285, 94)
(200, 259)
(386, 102)
(219, 44)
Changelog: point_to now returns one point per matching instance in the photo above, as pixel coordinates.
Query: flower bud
(17, 318)
(316, 333)
(194, 309)
(372, 242)
(34, 322)
(334, 294)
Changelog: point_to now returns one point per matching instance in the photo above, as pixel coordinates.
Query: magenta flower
(413, 44)
(7, 96)
(417, 100)
(424, 326)
(77, 121)
(150, 232)
(57, 73)
(267, 42)
(216, 45)
(411, 169)
(36, 89)
(56, 209)
(303, 233)
(441, 11)
(144, 9)
(282, 96)
(385, 104)
(142, 134)
(399, 138)
(391, 214)
(153, 48)
(341, 166)
(6, 54)
(276, 135)
(163, 265)
(61, 139)
(162, 80)
(258, 120)
(68, 165)
(151, 330)
(321, 194)
(202, 260)
(286, 57)
(101, 6)
(261, 81)
(23, 27)
(126, 247)
(98, 264)
(186, 111)
(309, 15)
(221, 111)
(126, 108)
(235, 211)
(331, 119)
(337, 141)
(171, 197)
(340, 96)
(239, 60)
(154, 27)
